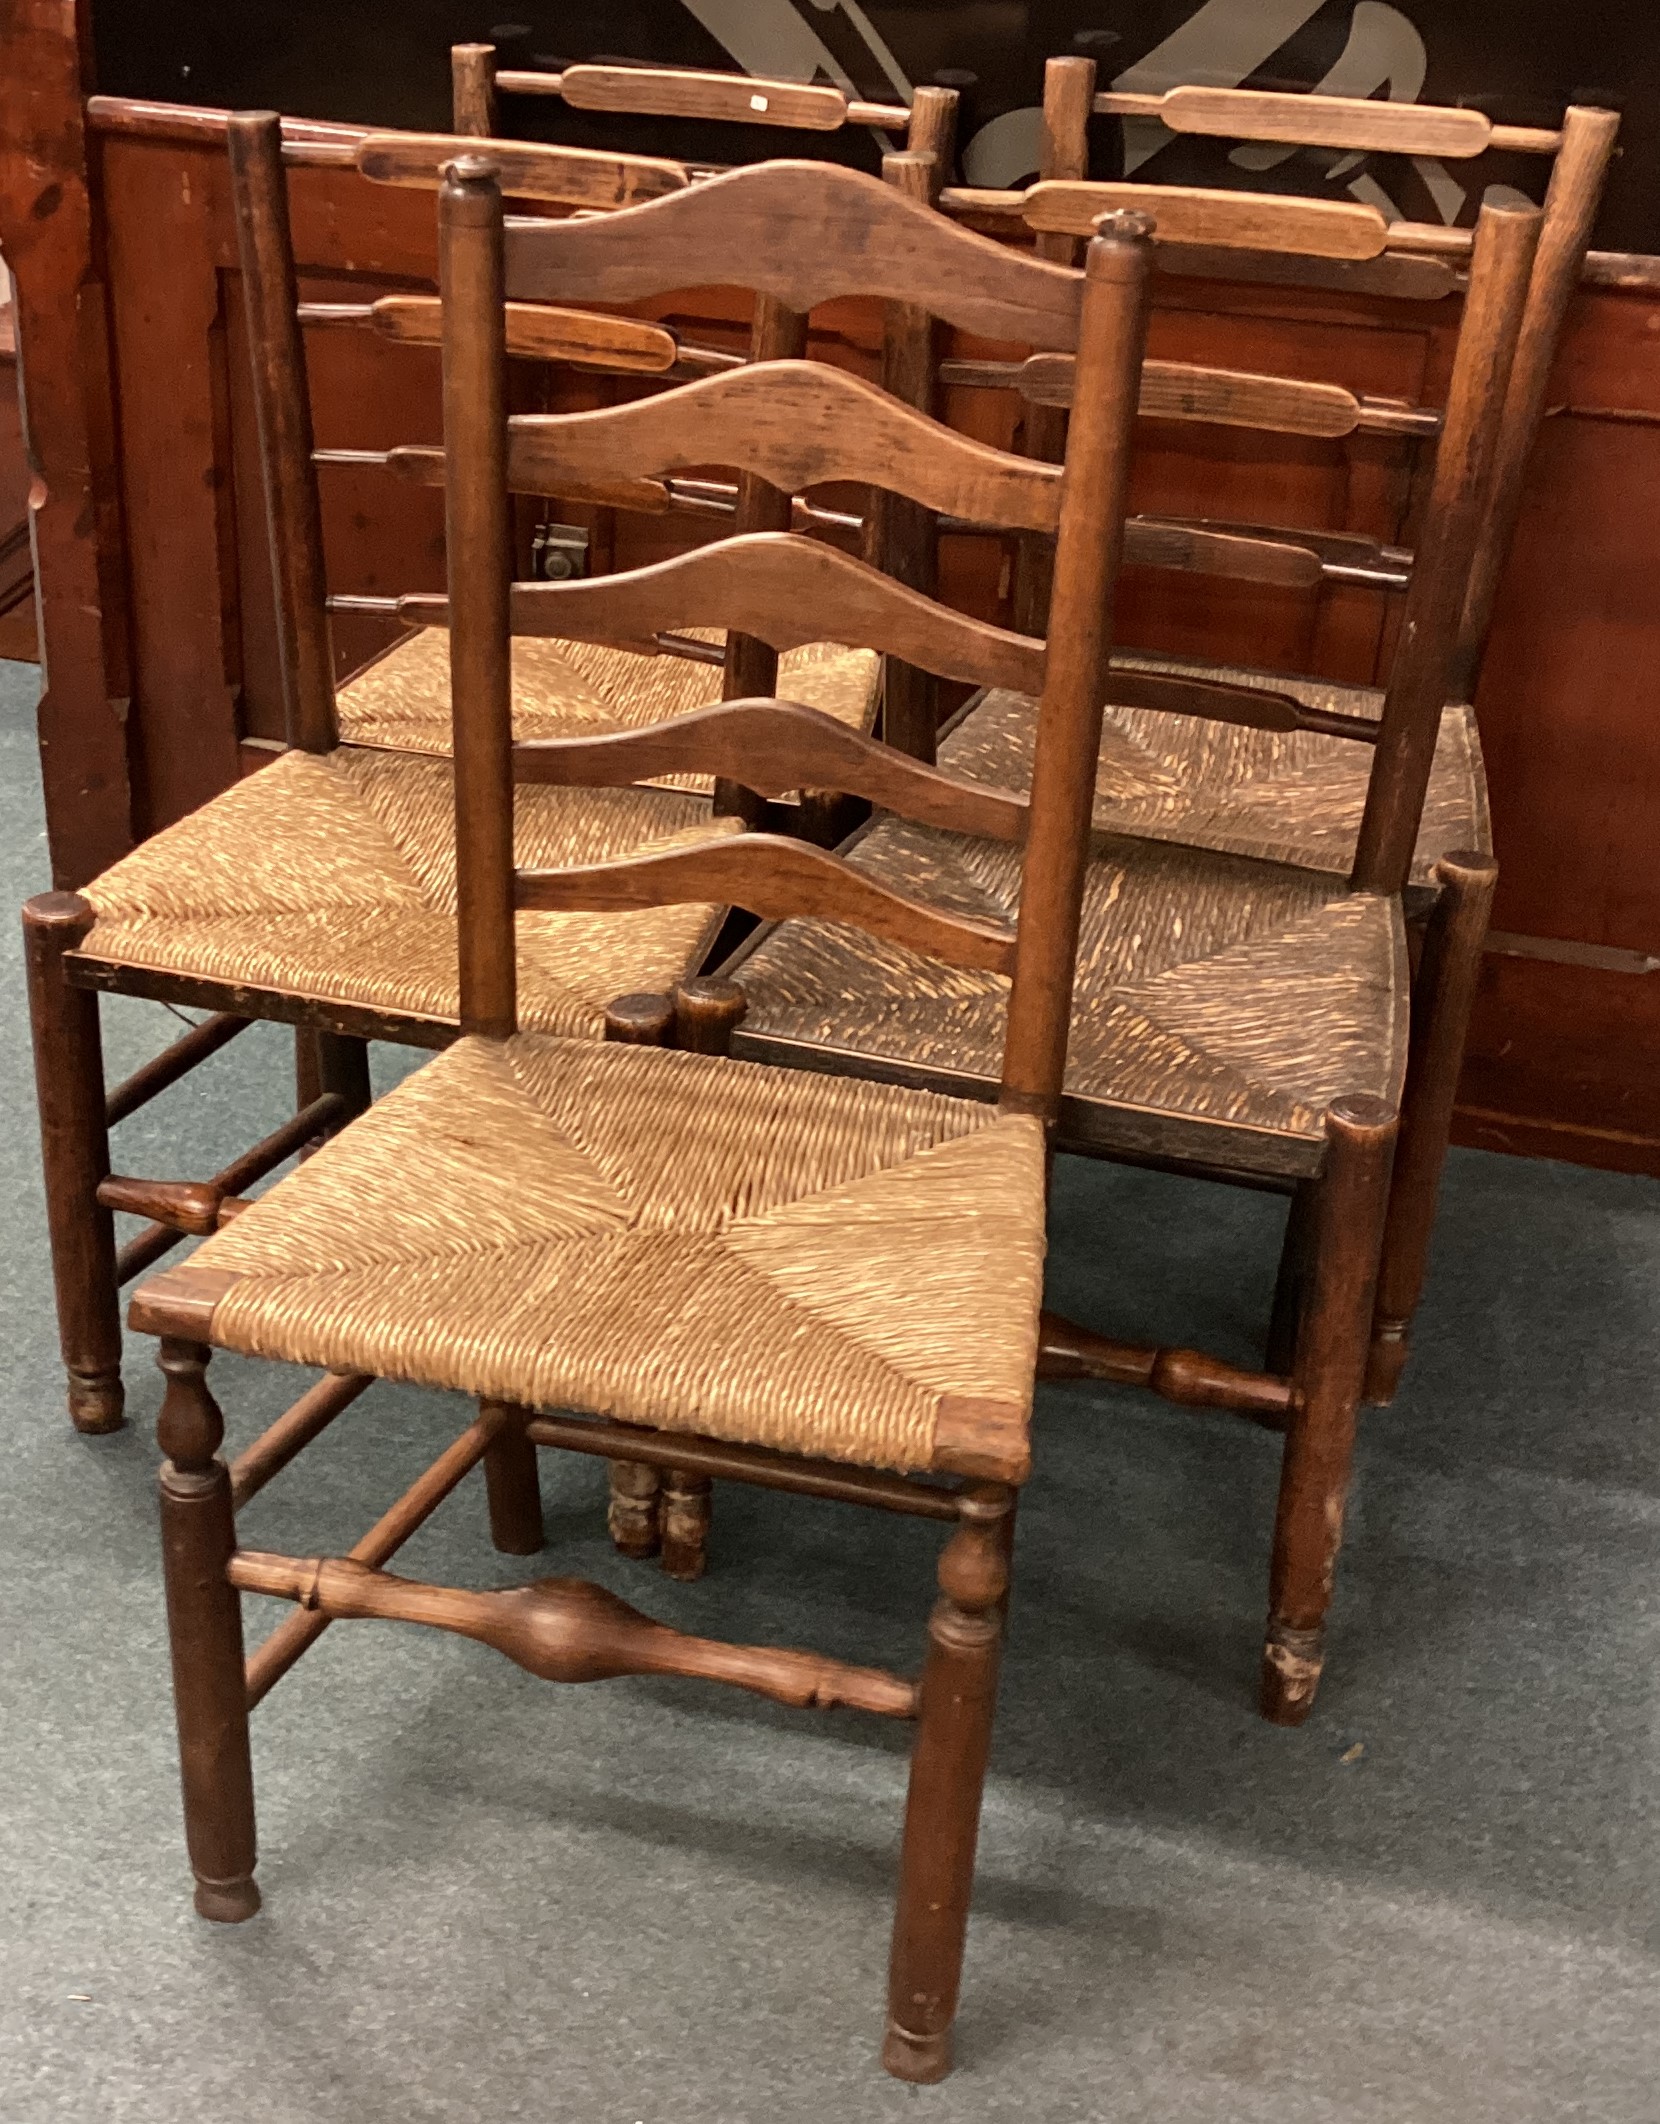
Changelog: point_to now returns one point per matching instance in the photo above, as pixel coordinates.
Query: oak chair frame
(564, 1629)
(1414, 262)
(1323, 1340)
(64, 981)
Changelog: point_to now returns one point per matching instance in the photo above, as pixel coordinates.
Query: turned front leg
(204, 1627)
(1320, 1434)
(956, 1701)
(1443, 996)
(75, 1158)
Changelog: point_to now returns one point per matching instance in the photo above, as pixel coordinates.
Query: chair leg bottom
(922, 2059)
(688, 1506)
(97, 1401)
(633, 1517)
(227, 1902)
(1385, 1363)
(1292, 1661)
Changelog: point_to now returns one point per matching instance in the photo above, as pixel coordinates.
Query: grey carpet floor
(652, 1903)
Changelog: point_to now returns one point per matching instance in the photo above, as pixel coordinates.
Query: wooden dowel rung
(158, 1239)
(171, 1064)
(350, 457)
(519, 81)
(335, 313)
(383, 607)
(272, 1659)
(293, 1430)
(1187, 1377)
(891, 117)
(751, 1464)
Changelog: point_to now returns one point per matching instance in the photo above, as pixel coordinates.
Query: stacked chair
(792, 1278)
(771, 1209)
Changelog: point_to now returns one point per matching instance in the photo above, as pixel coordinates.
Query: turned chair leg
(1319, 1442)
(1296, 1257)
(632, 1516)
(1443, 995)
(948, 1769)
(687, 1509)
(75, 1158)
(204, 1624)
(512, 1482)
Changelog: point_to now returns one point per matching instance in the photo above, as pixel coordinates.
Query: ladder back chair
(809, 1283)
(1233, 1017)
(1294, 790)
(318, 891)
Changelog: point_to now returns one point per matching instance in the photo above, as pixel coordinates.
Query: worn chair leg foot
(204, 1624)
(75, 1158)
(512, 1482)
(634, 1514)
(1443, 995)
(948, 1770)
(688, 1505)
(1319, 1439)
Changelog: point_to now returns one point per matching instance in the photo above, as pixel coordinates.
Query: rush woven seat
(846, 1270)
(579, 689)
(330, 877)
(1287, 796)
(1221, 1004)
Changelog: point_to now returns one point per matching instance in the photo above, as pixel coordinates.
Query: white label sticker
(757, 103)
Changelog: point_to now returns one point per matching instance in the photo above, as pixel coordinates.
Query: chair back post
(478, 536)
(776, 334)
(901, 537)
(282, 404)
(473, 90)
(1089, 546)
(1500, 269)
(933, 131)
(1571, 201)
(1068, 101)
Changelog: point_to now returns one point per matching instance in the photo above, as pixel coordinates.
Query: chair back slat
(782, 588)
(560, 176)
(1501, 264)
(1311, 120)
(282, 402)
(1246, 221)
(796, 424)
(583, 338)
(775, 877)
(803, 233)
(774, 746)
(683, 92)
(1184, 390)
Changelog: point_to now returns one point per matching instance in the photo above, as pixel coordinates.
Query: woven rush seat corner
(822, 1266)
(330, 878)
(1286, 796)
(581, 689)
(1221, 1003)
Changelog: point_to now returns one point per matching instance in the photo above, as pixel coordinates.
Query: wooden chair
(1226, 1005)
(791, 1279)
(318, 892)
(1294, 790)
